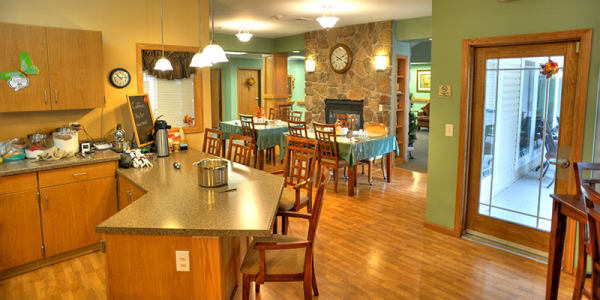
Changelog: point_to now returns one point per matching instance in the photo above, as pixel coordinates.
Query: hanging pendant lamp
(327, 20)
(244, 35)
(163, 64)
(213, 51)
(200, 60)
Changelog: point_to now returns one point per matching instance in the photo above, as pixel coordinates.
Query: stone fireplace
(334, 107)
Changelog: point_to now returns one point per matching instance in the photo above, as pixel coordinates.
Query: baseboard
(441, 229)
(49, 261)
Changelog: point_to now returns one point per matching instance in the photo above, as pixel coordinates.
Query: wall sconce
(381, 62)
(309, 65)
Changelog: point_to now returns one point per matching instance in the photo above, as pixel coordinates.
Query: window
(171, 99)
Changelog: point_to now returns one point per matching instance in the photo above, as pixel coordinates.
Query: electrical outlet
(182, 261)
(449, 130)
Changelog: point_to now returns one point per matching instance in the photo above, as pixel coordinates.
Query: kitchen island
(175, 214)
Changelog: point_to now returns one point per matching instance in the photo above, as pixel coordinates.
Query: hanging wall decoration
(250, 82)
(19, 79)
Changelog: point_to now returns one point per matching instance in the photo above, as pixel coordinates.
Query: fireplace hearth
(334, 107)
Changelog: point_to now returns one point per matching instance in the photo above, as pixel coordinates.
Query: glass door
(514, 142)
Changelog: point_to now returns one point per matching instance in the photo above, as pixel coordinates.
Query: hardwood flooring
(370, 246)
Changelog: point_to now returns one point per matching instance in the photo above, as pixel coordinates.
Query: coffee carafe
(161, 137)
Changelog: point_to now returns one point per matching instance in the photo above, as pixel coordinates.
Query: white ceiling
(298, 16)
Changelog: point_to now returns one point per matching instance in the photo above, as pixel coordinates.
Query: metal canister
(212, 172)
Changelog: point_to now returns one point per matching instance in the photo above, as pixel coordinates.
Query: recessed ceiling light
(296, 57)
(296, 51)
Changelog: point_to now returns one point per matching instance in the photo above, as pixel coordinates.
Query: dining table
(356, 148)
(267, 136)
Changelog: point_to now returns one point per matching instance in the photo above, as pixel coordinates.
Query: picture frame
(424, 81)
(290, 86)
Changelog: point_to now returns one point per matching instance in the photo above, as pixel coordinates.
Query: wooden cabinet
(71, 212)
(20, 235)
(70, 64)
(128, 192)
(275, 80)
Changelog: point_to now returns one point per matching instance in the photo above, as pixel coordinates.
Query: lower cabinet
(71, 212)
(128, 192)
(20, 235)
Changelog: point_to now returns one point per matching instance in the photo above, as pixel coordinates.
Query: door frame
(584, 37)
(258, 83)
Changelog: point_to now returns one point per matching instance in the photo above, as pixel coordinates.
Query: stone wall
(361, 81)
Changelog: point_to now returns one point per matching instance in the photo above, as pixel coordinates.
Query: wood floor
(371, 246)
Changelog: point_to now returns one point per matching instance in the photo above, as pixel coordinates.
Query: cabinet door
(76, 66)
(71, 212)
(128, 192)
(31, 40)
(20, 232)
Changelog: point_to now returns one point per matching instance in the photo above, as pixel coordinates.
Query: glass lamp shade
(327, 21)
(244, 36)
(163, 64)
(380, 62)
(309, 65)
(200, 60)
(215, 53)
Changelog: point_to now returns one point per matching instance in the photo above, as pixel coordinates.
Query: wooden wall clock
(340, 58)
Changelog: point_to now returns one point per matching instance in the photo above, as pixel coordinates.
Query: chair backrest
(240, 153)
(325, 134)
(299, 161)
(580, 181)
(284, 111)
(272, 113)
(248, 126)
(297, 128)
(592, 200)
(296, 116)
(318, 205)
(376, 128)
(346, 121)
(213, 142)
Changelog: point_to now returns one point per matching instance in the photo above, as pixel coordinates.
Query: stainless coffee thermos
(161, 137)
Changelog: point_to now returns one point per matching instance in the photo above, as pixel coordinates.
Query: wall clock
(119, 78)
(340, 58)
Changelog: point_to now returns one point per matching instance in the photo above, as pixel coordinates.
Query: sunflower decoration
(550, 68)
(250, 82)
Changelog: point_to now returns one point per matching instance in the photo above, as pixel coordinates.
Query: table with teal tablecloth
(353, 150)
(268, 136)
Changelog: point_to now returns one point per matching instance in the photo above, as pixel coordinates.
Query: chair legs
(284, 225)
(275, 226)
(314, 279)
(581, 265)
(335, 179)
(246, 288)
(370, 173)
(256, 287)
(307, 286)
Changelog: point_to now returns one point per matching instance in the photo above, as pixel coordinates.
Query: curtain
(179, 60)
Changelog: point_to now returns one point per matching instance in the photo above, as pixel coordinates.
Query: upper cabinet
(69, 66)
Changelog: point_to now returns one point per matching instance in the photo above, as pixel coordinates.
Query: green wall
(229, 70)
(289, 43)
(261, 45)
(450, 26)
(413, 29)
(296, 69)
(412, 85)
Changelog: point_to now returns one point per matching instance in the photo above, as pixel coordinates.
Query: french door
(520, 145)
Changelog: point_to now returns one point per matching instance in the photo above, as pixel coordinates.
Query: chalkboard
(141, 117)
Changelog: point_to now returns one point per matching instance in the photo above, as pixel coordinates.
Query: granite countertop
(29, 165)
(175, 205)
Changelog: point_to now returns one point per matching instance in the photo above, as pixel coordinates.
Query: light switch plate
(449, 130)
(182, 261)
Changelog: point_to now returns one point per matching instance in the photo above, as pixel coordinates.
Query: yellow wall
(123, 23)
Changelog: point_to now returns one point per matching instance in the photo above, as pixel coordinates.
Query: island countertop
(174, 203)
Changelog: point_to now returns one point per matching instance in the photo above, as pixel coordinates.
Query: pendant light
(200, 60)
(163, 64)
(244, 35)
(327, 20)
(214, 52)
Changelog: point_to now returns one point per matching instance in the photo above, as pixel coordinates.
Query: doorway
(520, 140)
(248, 97)
(216, 97)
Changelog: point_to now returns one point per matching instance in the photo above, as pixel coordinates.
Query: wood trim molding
(441, 229)
(419, 100)
(584, 37)
(198, 86)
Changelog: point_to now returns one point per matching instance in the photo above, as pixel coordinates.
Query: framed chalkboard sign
(141, 117)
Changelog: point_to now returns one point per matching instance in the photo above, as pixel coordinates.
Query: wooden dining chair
(298, 171)
(346, 121)
(213, 142)
(328, 150)
(374, 129)
(284, 111)
(297, 129)
(284, 257)
(296, 116)
(585, 245)
(273, 113)
(240, 149)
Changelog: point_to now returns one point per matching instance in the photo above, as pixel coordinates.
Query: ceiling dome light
(200, 60)
(244, 35)
(327, 20)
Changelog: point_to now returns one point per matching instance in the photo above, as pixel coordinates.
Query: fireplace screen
(334, 107)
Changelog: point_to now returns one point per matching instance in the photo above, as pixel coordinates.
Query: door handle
(561, 162)
(130, 196)
(79, 174)
(56, 96)
(45, 96)
(47, 205)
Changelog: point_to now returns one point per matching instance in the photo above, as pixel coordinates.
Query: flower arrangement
(250, 82)
(188, 120)
(259, 112)
(550, 68)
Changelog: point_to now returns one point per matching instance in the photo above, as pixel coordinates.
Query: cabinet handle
(79, 174)
(45, 96)
(47, 205)
(130, 194)
(56, 96)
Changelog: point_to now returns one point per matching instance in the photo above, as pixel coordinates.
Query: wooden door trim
(258, 83)
(584, 37)
(198, 87)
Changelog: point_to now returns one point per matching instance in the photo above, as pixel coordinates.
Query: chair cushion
(288, 198)
(288, 261)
